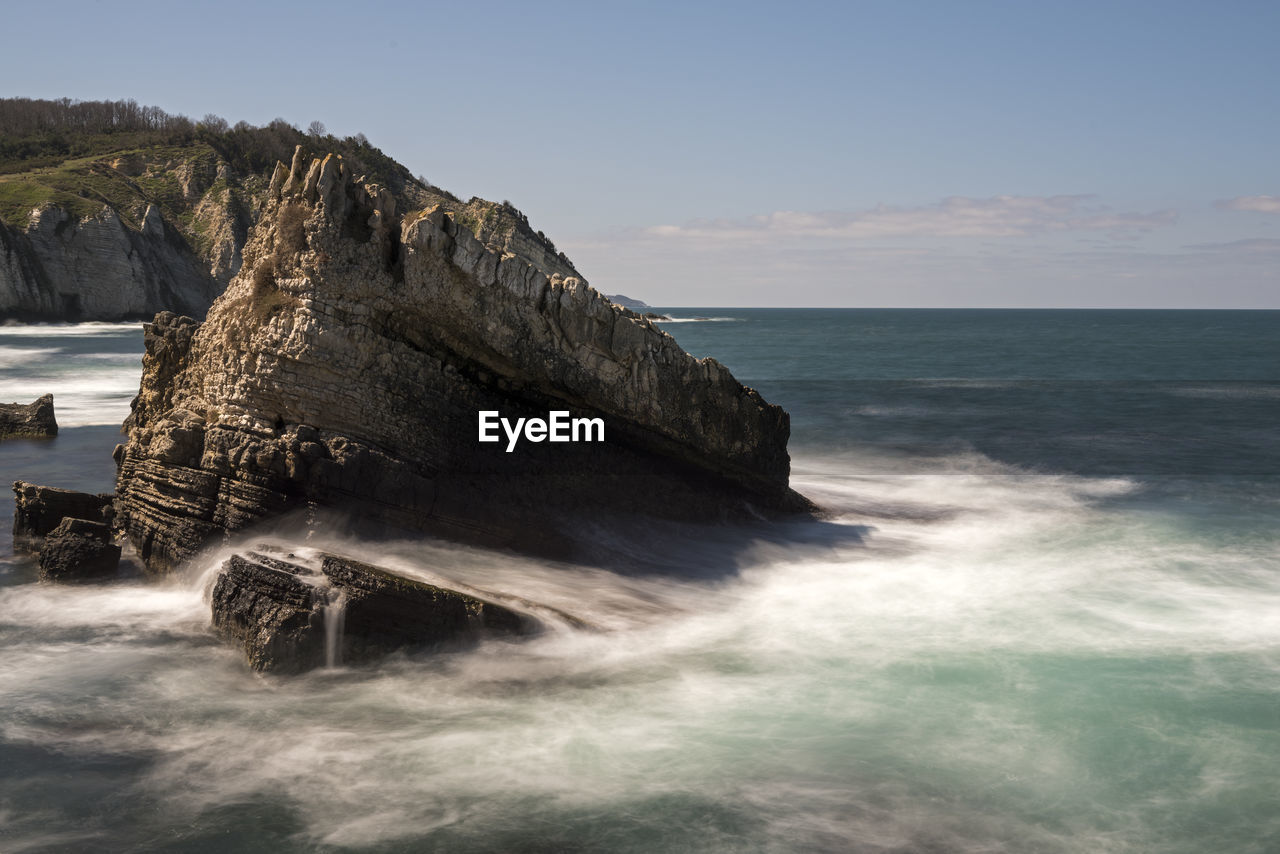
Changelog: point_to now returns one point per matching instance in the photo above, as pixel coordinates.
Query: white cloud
(957, 216)
(1256, 204)
(853, 273)
(1250, 244)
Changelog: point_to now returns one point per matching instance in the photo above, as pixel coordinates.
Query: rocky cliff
(127, 234)
(345, 364)
(98, 268)
(122, 235)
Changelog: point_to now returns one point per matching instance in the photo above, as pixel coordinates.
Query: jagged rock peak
(328, 181)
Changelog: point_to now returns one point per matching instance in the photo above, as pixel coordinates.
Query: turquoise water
(1042, 616)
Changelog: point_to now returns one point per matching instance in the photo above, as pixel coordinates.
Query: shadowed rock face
(28, 421)
(37, 510)
(345, 366)
(62, 267)
(78, 550)
(291, 616)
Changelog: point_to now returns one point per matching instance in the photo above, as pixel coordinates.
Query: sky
(913, 154)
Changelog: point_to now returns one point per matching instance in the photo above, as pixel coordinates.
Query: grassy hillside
(82, 185)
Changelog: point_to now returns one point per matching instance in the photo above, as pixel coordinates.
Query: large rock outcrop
(28, 421)
(291, 614)
(346, 363)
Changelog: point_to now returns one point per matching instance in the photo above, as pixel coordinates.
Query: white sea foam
(669, 319)
(74, 330)
(96, 395)
(89, 387)
(14, 357)
(1005, 663)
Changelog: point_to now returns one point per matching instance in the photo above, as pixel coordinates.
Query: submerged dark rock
(291, 616)
(345, 366)
(38, 510)
(78, 550)
(28, 421)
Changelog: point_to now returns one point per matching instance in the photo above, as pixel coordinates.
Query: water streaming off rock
(334, 616)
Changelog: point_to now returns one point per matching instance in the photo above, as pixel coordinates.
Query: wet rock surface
(28, 421)
(347, 362)
(38, 510)
(295, 614)
(78, 550)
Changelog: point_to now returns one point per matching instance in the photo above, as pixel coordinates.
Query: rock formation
(38, 510)
(628, 302)
(78, 550)
(28, 421)
(128, 234)
(346, 363)
(64, 267)
(292, 615)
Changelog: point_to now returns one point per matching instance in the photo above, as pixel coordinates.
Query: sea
(1040, 612)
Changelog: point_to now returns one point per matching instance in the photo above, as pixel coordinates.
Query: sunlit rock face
(30, 421)
(347, 362)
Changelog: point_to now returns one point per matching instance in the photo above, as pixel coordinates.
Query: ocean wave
(970, 655)
(1238, 390)
(21, 357)
(670, 319)
(96, 396)
(81, 365)
(961, 654)
(50, 330)
(958, 662)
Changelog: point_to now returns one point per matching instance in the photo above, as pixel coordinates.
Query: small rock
(28, 421)
(38, 510)
(78, 550)
(292, 616)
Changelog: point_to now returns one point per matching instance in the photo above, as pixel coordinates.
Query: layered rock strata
(28, 421)
(291, 615)
(38, 510)
(64, 267)
(162, 228)
(345, 366)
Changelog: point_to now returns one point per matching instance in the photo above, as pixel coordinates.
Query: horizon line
(970, 307)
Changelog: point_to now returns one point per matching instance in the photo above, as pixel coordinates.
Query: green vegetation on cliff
(69, 161)
(82, 155)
